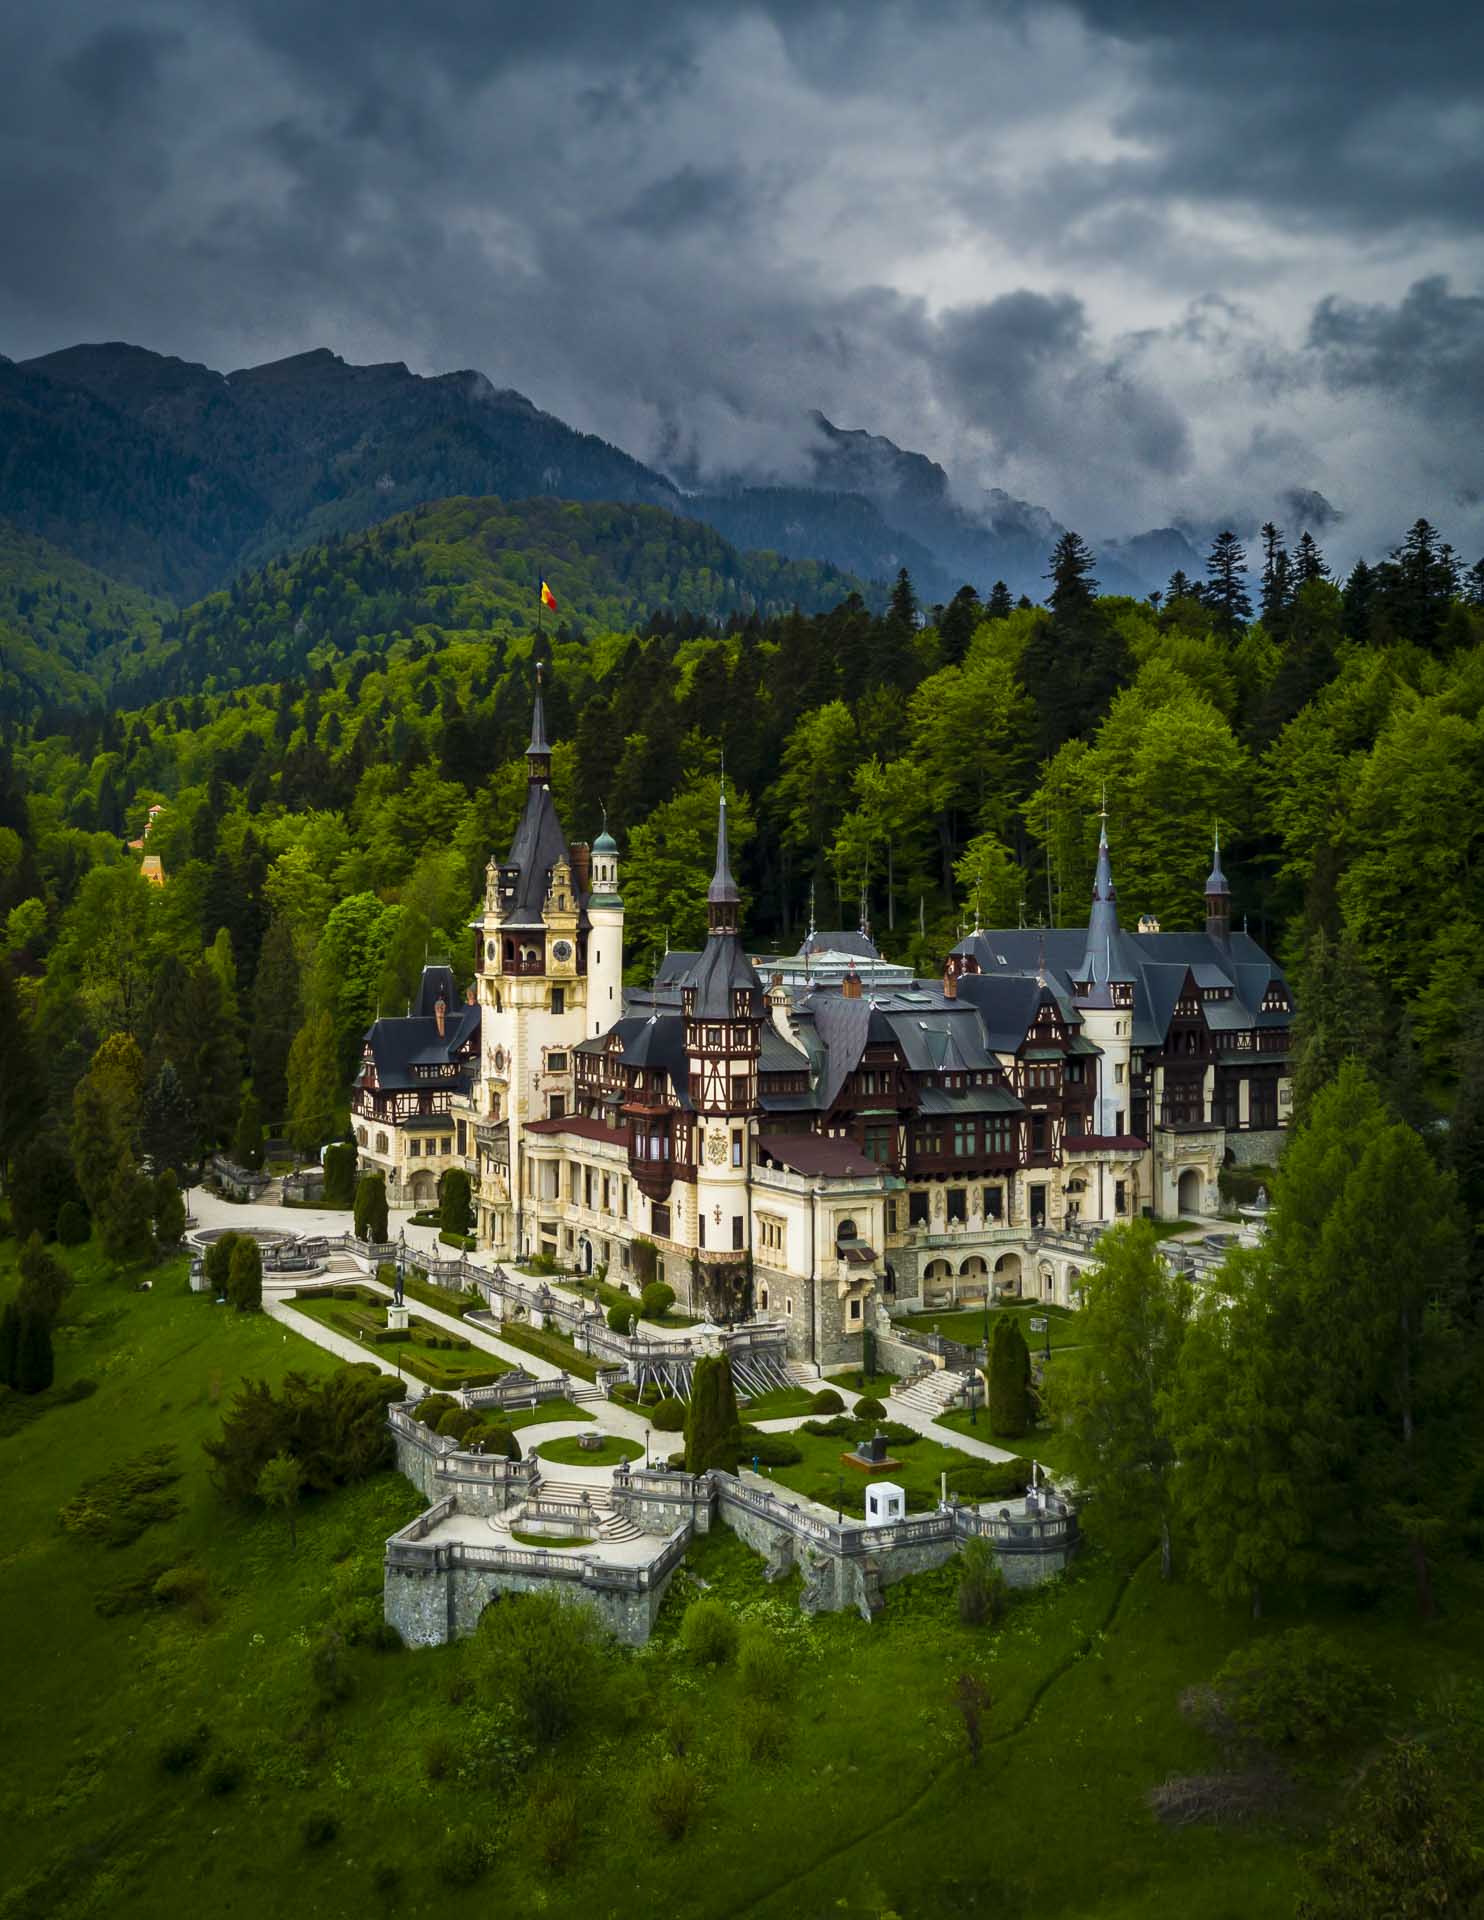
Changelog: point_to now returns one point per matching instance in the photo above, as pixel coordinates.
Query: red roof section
(579, 1124)
(816, 1153)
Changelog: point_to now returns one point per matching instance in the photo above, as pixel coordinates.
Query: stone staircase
(929, 1394)
(612, 1525)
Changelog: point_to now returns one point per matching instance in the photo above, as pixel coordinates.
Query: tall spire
(722, 897)
(1102, 926)
(538, 753)
(1218, 895)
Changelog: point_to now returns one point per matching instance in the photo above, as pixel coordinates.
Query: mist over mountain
(175, 477)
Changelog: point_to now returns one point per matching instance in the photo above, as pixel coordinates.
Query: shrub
(459, 1422)
(981, 1586)
(500, 1440)
(188, 1587)
(340, 1175)
(1298, 1688)
(1009, 1380)
(990, 1480)
(332, 1679)
(668, 1416)
(183, 1751)
(645, 1256)
(766, 1669)
(455, 1213)
(868, 1407)
(839, 1428)
(463, 1857)
(621, 1315)
(224, 1775)
(657, 1299)
(709, 1633)
(555, 1823)
(370, 1206)
(219, 1262)
(674, 1795)
(765, 1733)
(73, 1225)
(545, 1658)
(319, 1828)
(335, 1427)
(770, 1449)
(827, 1401)
(245, 1276)
(432, 1407)
(712, 1424)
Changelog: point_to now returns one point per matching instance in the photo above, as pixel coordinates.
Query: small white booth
(886, 1503)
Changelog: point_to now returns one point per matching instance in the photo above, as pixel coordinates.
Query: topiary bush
(432, 1407)
(868, 1407)
(668, 1416)
(500, 1440)
(459, 1423)
(1009, 1380)
(770, 1449)
(709, 1633)
(827, 1401)
(657, 1299)
(622, 1314)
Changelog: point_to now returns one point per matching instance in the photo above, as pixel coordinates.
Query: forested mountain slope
(69, 636)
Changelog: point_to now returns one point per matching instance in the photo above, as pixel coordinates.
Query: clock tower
(533, 992)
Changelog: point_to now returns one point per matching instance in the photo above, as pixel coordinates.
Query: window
(587, 1186)
(994, 1203)
(701, 1227)
(556, 1106)
(1263, 1103)
(1038, 1207)
(559, 999)
(556, 1062)
(713, 1037)
(1074, 1072)
(381, 1143)
(770, 1233)
(1118, 1073)
(762, 1298)
(736, 1146)
(447, 1146)
(463, 1137)
(855, 1309)
(998, 1137)
(788, 1306)
(965, 1139)
(361, 1135)
(1038, 1133)
(738, 1235)
(414, 1149)
(660, 1217)
(958, 1205)
(607, 1194)
(574, 1178)
(880, 1144)
(917, 1209)
(1120, 1196)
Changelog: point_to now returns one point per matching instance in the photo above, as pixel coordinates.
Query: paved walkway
(336, 1343)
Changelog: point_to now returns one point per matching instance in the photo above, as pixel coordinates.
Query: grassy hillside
(69, 636)
(337, 1796)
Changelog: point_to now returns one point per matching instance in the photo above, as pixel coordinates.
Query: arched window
(361, 1135)
(845, 1230)
(381, 1143)
(762, 1299)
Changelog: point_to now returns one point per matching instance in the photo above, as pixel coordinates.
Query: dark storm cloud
(1105, 255)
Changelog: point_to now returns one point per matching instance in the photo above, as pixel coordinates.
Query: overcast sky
(1119, 259)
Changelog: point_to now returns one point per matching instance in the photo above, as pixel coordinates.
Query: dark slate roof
(827, 941)
(538, 844)
(721, 969)
(1006, 1004)
(1155, 963)
(842, 1025)
(968, 1100)
(675, 966)
(780, 1055)
(816, 1155)
(435, 981)
(655, 1042)
(398, 1046)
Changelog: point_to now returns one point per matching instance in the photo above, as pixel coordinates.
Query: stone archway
(1189, 1191)
(424, 1190)
(937, 1283)
(1007, 1273)
(973, 1276)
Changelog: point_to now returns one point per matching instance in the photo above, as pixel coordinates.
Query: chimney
(440, 1013)
(582, 866)
(950, 983)
(850, 986)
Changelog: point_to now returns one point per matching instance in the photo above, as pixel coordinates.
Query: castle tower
(1218, 898)
(605, 937)
(1105, 996)
(533, 991)
(724, 1008)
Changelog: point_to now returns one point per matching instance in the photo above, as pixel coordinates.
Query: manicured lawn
(548, 1412)
(867, 1804)
(437, 1365)
(570, 1452)
(779, 1404)
(967, 1325)
(1045, 1444)
(879, 1385)
(825, 1478)
(546, 1345)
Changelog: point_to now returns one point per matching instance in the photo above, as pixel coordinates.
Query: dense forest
(334, 746)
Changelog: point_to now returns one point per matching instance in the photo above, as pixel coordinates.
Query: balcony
(1188, 1119)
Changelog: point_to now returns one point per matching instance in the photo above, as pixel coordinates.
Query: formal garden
(430, 1353)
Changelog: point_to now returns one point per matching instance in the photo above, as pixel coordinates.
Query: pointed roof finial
(723, 888)
(811, 909)
(539, 742)
(1216, 879)
(865, 926)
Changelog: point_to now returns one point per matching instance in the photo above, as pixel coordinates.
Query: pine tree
(340, 1175)
(455, 1213)
(276, 1018)
(35, 1367)
(245, 1275)
(370, 1208)
(1073, 662)
(1073, 586)
(1226, 591)
(1009, 1380)
(314, 1083)
(1308, 561)
(902, 611)
(171, 1135)
(44, 1280)
(1179, 586)
(1276, 583)
(712, 1423)
(956, 623)
(247, 1149)
(999, 605)
(127, 1222)
(170, 1212)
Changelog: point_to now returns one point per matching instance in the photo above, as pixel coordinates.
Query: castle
(820, 1145)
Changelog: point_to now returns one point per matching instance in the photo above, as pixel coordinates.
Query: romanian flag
(548, 598)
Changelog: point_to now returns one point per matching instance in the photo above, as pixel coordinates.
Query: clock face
(562, 950)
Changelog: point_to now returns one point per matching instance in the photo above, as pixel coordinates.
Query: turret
(1218, 898)
(1104, 992)
(605, 936)
(538, 753)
